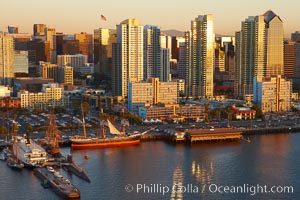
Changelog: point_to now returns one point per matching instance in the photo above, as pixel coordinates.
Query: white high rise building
(127, 56)
(199, 57)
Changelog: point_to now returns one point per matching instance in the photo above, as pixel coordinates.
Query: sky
(75, 16)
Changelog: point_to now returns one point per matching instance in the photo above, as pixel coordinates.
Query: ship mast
(83, 122)
(52, 130)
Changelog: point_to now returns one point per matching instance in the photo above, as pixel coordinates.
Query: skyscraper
(127, 56)
(152, 45)
(199, 55)
(166, 42)
(165, 65)
(289, 58)
(274, 44)
(51, 37)
(39, 29)
(295, 36)
(259, 50)
(70, 47)
(6, 59)
(103, 39)
(85, 45)
(245, 65)
(13, 29)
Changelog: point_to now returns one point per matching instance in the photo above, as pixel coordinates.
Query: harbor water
(268, 167)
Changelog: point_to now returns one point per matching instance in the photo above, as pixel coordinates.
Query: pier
(202, 135)
(70, 166)
(4, 144)
(221, 134)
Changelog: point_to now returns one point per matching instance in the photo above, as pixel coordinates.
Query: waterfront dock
(220, 134)
(75, 169)
(191, 136)
(4, 144)
(60, 185)
(70, 166)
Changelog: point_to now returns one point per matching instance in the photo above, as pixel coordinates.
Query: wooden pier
(219, 134)
(202, 135)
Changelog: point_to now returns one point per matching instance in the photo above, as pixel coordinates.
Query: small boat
(50, 169)
(14, 164)
(86, 157)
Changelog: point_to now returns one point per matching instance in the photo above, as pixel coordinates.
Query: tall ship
(50, 144)
(114, 139)
(28, 151)
(13, 160)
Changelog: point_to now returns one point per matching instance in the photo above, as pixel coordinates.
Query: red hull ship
(119, 139)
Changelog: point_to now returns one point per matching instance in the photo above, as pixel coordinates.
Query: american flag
(103, 18)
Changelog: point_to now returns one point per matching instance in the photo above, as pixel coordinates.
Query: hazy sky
(74, 16)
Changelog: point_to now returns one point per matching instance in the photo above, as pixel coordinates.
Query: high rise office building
(182, 61)
(85, 45)
(152, 48)
(6, 59)
(39, 29)
(78, 60)
(165, 65)
(296, 78)
(103, 39)
(295, 36)
(60, 74)
(259, 50)
(127, 56)
(70, 47)
(289, 59)
(272, 93)
(166, 42)
(51, 37)
(38, 51)
(21, 62)
(13, 29)
(199, 57)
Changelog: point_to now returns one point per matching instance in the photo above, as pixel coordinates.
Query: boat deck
(59, 185)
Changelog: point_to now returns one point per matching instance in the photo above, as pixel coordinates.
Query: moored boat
(14, 163)
(59, 184)
(115, 138)
(13, 160)
(28, 152)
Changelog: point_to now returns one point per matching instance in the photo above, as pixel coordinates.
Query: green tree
(29, 128)
(259, 113)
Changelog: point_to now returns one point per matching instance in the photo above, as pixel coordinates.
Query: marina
(111, 169)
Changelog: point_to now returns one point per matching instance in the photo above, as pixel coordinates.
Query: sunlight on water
(203, 173)
(177, 193)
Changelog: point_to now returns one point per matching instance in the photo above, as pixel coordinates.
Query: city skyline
(67, 17)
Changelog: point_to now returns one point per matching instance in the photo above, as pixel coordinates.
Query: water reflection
(203, 173)
(177, 185)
